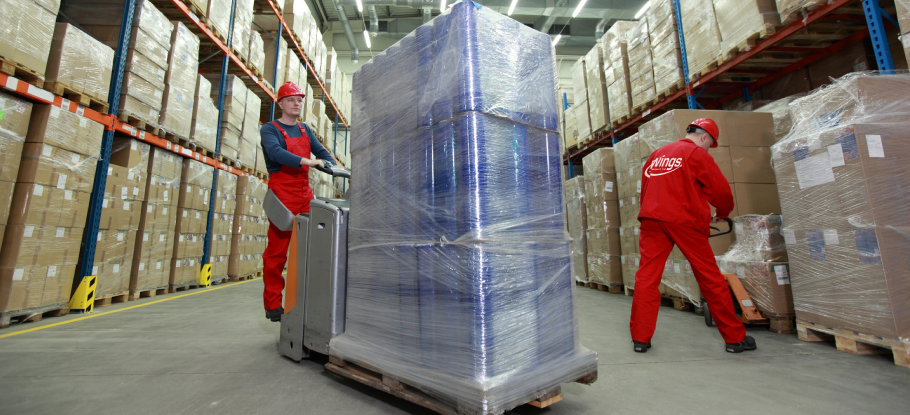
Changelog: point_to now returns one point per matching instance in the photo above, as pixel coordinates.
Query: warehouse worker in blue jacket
(287, 146)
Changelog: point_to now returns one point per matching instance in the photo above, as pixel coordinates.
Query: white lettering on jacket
(663, 165)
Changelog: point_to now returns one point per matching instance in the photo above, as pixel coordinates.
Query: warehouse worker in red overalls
(287, 145)
(678, 182)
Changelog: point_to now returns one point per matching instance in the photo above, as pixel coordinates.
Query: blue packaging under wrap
(458, 271)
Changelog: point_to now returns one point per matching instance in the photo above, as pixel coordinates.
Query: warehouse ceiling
(397, 18)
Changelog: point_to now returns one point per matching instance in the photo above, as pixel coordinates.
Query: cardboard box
(27, 40)
(752, 165)
(722, 157)
(59, 128)
(760, 199)
(80, 62)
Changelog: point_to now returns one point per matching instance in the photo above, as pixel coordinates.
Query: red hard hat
(289, 89)
(708, 125)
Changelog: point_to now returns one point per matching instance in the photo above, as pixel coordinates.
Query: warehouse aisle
(213, 352)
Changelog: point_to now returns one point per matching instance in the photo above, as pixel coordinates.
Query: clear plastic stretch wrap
(665, 54)
(577, 224)
(641, 67)
(292, 70)
(26, 32)
(256, 57)
(793, 10)
(249, 229)
(616, 70)
(243, 21)
(192, 215)
(903, 16)
(598, 111)
(219, 16)
(780, 110)
(155, 238)
(841, 174)
(474, 299)
(205, 116)
(250, 136)
(269, 64)
(602, 232)
(183, 64)
(739, 20)
(79, 62)
(702, 35)
(223, 221)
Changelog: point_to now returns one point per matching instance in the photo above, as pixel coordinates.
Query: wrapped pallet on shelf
(151, 266)
(743, 22)
(446, 317)
(793, 10)
(599, 112)
(665, 53)
(222, 225)
(234, 112)
(603, 221)
(205, 116)
(243, 22)
(256, 57)
(702, 36)
(780, 110)
(841, 176)
(616, 70)
(260, 159)
(26, 33)
(79, 65)
(641, 65)
(577, 225)
(269, 66)
(291, 70)
(570, 128)
(250, 136)
(192, 216)
(13, 128)
(250, 227)
(627, 163)
(47, 212)
(219, 17)
(176, 116)
(295, 16)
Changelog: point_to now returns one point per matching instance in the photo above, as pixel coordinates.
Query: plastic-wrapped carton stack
(780, 110)
(792, 10)
(243, 22)
(627, 163)
(599, 113)
(841, 176)
(665, 55)
(321, 183)
(295, 15)
(759, 259)
(156, 235)
(702, 35)
(740, 20)
(292, 69)
(121, 215)
(205, 116)
(250, 227)
(223, 224)
(80, 63)
(13, 128)
(250, 134)
(26, 32)
(192, 216)
(616, 70)
(282, 66)
(234, 112)
(219, 15)
(641, 73)
(43, 237)
(183, 63)
(570, 128)
(903, 18)
(256, 57)
(580, 89)
(603, 222)
(577, 225)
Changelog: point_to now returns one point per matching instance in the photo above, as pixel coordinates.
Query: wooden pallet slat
(85, 100)
(32, 315)
(21, 72)
(111, 299)
(855, 343)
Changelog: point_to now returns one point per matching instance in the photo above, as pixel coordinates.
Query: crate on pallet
(665, 52)
(742, 23)
(702, 36)
(223, 225)
(243, 21)
(641, 69)
(250, 227)
(616, 70)
(79, 67)
(192, 216)
(25, 41)
(218, 17)
(176, 115)
(203, 133)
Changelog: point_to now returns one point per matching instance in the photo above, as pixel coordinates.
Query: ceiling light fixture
(556, 40)
(512, 7)
(578, 9)
(360, 6)
(442, 5)
(366, 36)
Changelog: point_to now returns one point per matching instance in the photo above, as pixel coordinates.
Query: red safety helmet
(709, 126)
(289, 89)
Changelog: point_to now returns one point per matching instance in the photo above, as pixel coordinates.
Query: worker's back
(678, 182)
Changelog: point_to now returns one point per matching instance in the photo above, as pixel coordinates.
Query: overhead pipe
(348, 32)
(601, 27)
(427, 14)
(374, 20)
(552, 16)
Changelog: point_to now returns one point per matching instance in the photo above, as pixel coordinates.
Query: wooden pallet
(131, 119)
(371, 376)
(31, 315)
(257, 274)
(220, 279)
(694, 75)
(14, 69)
(781, 324)
(855, 343)
(183, 286)
(629, 291)
(112, 299)
(619, 121)
(63, 90)
(147, 293)
(670, 91)
(612, 289)
(796, 13)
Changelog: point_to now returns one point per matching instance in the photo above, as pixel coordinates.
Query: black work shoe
(274, 315)
(640, 347)
(747, 344)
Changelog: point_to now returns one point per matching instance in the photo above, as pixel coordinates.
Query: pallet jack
(743, 305)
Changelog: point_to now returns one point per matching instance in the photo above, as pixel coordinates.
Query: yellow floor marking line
(122, 309)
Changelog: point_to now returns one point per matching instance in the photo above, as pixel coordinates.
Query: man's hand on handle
(715, 219)
(311, 163)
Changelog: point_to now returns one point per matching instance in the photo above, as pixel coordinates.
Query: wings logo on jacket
(663, 165)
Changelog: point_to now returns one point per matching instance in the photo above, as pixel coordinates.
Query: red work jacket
(678, 181)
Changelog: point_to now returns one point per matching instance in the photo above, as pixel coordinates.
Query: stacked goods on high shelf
(641, 72)
(42, 242)
(616, 70)
(250, 228)
(742, 22)
(598, 111)
(256, 57)
(780, 110)
(322, 184)
(577, 224)
(222, 225)
(233, 113)
(13, 128)
(306, 113)
(665, 54)
(219, 17)
(192, 216)
(792, 10)
(291, 70)
(260, 159)
(183, 61)
(702, 36)
(280, 77)
(143, 87)
(580, 107)
(243, 22)
(79, 63)
(759, 259)
(841, 176)
(156, 236)
(903, 17)
(205, 116)
(201, 5)
(121, 214)
(250, 135)
(297, 17)
(603, 221)
(28, 30)
(318, 113)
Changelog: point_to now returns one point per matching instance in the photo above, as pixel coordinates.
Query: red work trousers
(274, 258)
(657, 240)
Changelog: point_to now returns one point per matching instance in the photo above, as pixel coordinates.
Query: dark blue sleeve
(317, 149)
(271, 145)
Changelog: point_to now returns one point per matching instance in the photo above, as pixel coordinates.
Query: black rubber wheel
(704, 307)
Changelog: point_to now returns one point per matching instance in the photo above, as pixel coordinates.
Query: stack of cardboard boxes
(599, 113)
(219, 16)
(243, 22)
(702, 35)
(578, 121)
(192, 216)
(156, 236)
(665, 54)
(80, 63)
(250, 228)
(250, 135)
(13, 128)
(280, 76)
(256, 58)
(602, 206)
(577, 224)
(42, 242)
(233, 112)
(739, 20)
(183, 62)
(26, 31)
(205, 116)
(222, 224)
(903, 18)
(627, 163)
(616, 70)
(641, 66)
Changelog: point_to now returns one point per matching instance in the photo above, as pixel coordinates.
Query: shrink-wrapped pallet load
(743, 22)
(616, 70)
(702, 36)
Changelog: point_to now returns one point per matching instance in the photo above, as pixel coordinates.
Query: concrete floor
(214, 352)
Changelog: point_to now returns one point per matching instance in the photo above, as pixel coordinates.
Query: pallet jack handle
(729, 229)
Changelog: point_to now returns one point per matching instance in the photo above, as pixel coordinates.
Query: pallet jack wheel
(709, 321)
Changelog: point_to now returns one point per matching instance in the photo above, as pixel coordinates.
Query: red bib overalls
(292, 187)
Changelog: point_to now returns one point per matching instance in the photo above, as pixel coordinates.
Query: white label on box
(110, 171)
(83, 122)
(145, 236)
(51, 271)
(620, 231)
(150, 208)
(185, 213)
(18, 273)
(201, 191)
(121, 236)
(75, 159)
(636, 230)
(55, 112)
(95, 270)
(181, 237)
(100, 235)
(29, 231)
(116, 268)
(134, 145)
(104, 203)
(158, 265)
(637, 260)
(165, 195)
(129, 175)
(164, 210)
(39, 190)
(61, 181)
(189, 188)
(161, 238)
(67, 195)
(830, 236)
(620, 202)
(836, 155)
(197, 214)
(740, 271)
(126, 205)
(813, 171)
(178, 263)
(747, 303)
(61, 232)
(142, 266)
(676, 268)
(782, 277)
(123, 193)
(639, 186)
(875, 146)
(135, 191)
(222, 204)
(47, 151)
(608, 187)
(789, 237)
